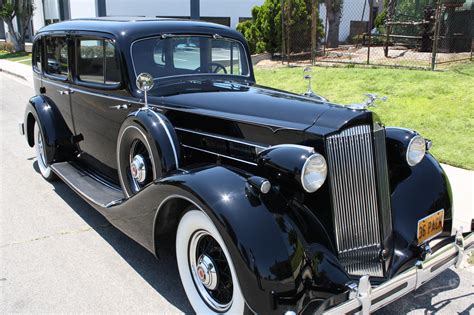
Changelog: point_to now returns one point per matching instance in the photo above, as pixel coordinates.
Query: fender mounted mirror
(145, 83)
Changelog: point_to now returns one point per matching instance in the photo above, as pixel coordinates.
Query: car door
(99, 102)
(56, 80)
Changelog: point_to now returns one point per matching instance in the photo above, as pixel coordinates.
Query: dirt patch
(397, 56)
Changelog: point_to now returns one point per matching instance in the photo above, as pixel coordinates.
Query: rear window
(97, 62)
(57, 56)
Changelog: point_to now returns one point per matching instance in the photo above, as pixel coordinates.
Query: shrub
(264, 31)
(6, 46)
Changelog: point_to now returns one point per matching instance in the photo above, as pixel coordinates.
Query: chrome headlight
(416, 150)
(314, 173)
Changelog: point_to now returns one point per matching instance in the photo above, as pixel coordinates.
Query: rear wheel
(40, 148)
(205, 267)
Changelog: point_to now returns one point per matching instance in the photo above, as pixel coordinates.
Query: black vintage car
(280, 203)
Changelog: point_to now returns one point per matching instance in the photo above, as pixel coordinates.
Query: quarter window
(97, 62)
(57, 56)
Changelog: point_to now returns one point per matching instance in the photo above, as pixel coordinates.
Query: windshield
(189, 56)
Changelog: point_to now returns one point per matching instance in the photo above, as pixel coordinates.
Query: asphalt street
(57, 254)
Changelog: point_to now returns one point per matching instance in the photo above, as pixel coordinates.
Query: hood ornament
(370, 101)
(307, 76)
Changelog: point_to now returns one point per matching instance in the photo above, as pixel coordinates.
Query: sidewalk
(462, 181)
(17, 69)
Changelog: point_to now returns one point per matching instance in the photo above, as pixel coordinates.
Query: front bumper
(365, 299)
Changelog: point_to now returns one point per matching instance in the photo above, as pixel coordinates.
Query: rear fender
(55, 131)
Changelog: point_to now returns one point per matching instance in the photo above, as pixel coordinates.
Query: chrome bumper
(366, 299)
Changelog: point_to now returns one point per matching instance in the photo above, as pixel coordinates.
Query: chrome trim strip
(413, 278)
(52, 82)
(206, 134)
(219, 155)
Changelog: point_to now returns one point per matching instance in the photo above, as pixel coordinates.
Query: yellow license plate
(430, 226)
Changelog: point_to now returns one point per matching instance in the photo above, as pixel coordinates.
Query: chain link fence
(398, 33)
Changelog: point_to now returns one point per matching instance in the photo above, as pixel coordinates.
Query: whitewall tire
(40, 149)
(205, 267)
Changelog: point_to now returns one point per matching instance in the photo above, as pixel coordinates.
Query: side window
(57, 56)
(97, 62)
(37, 52)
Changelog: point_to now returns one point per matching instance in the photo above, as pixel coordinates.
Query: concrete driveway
(57, 254)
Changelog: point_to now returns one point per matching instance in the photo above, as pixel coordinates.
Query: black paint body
(282, 243)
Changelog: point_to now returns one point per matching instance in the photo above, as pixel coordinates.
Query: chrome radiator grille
(353, 175)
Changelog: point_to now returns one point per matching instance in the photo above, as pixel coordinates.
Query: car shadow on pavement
(162, 274)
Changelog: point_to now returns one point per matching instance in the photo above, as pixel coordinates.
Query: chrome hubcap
(138, 168)
(206, 271)
(210, 271)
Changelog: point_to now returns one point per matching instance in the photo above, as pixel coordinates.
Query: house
(228, 12)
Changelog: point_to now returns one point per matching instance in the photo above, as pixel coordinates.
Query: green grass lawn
(22, 57)
(439, 105)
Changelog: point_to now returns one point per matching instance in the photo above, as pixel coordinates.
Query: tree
(334, 14)
(22, 10)
(264, 31)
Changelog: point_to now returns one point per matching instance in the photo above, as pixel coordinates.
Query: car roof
(140, 26)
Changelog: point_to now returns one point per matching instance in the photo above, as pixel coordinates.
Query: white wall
(352, 11)
(212, 8)
(83, 8)
(51, 9)
(38, 15)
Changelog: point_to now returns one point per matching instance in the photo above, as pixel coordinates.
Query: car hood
(247, 103)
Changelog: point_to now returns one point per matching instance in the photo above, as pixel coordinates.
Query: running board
(97, 192)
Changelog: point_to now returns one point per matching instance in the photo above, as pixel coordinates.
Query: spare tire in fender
(147, 149)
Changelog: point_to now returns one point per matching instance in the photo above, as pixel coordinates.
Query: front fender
(416, 192)
(55, 131)
(264, 246)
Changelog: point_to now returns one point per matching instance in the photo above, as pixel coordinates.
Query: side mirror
(145, 83)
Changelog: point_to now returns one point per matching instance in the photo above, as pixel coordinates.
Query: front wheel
(205, 267)
(40, 148)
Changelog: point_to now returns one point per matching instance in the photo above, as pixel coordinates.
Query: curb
(14, 74)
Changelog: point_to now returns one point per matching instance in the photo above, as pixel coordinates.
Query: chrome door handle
(121, 106)
(65, 92)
